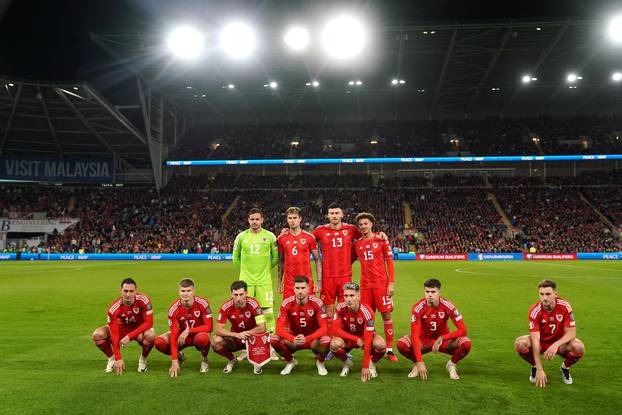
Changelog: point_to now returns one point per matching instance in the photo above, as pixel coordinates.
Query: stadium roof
(450, 69)
(64, 119)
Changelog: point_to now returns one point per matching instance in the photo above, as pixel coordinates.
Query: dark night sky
(49, 40)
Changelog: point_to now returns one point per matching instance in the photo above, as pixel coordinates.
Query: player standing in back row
(256, 253)
(335, 239)
(377, 275)
(295, 248)
(552, 330)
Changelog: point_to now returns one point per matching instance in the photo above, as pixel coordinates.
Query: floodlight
(343, 37)
(573, 77)
(297, 38)
(237, 40)
(185, 42)
(615, 29)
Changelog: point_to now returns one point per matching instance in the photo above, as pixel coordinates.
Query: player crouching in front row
(552, 330)
(353, 327)
(246, 319)
(302, 324)
(130, 317)
(190, 320)
(429, 332)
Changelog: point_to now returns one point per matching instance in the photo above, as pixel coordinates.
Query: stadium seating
(448, 213)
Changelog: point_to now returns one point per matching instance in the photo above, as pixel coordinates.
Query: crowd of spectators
(440, 213)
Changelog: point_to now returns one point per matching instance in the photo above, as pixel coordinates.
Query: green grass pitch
(48, 364)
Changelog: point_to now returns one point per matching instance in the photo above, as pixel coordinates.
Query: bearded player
(246, 318)
(429, 332)
(377, 275)
(353, 327)
(301, 325)
(190, 321)
(552, 331)
(295, 248)
(130, 317)
(256, 253)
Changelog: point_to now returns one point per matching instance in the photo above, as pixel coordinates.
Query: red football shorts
(377, 299)
(332, 289)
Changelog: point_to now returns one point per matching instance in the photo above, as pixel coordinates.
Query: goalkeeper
(255, 252)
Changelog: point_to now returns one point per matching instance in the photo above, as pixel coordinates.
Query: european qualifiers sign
(56, 170)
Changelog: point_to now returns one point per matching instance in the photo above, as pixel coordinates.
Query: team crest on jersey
(136, 310)
(360, 320)
(559, 317)
(251, 339)
(441, 314)
(303, 241)
(345, 232)
(310, 312)
(375, 244)
(197, 313)
(247, 314)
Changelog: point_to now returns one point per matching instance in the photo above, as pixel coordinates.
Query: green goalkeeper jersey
(256, 254)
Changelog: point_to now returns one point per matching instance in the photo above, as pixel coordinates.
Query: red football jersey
(302, 319)
(130, 316)
(242, 319)
(297, 254)
(434, 319)
(551, 324)
(354, 322)
(198, 315)
(372, 254)
(336, 247)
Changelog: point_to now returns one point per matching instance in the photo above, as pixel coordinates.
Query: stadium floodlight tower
(343, 38)
(185, 42)
(615, 29)
(297, 38)
(237, 40)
